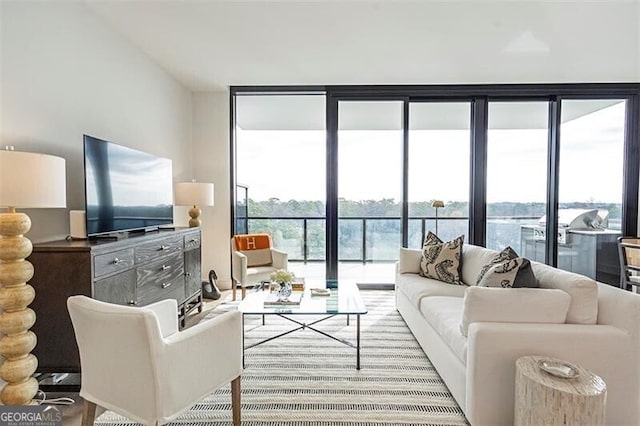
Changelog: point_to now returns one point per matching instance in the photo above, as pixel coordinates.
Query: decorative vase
(284, 292)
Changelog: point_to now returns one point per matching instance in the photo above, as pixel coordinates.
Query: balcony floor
(379, 273)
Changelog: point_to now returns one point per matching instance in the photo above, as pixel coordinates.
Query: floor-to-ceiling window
(590, 193)
(517, 182)
(369, 189)
(280, 162)
(373, 160)
(438, 170)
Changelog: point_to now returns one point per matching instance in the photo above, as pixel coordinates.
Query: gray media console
(133, 271)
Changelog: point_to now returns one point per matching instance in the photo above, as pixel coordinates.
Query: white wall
(64, 73)
(211, 164)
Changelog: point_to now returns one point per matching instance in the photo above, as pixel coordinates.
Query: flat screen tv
(125, 189)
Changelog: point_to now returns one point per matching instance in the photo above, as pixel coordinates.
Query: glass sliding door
(439, 149)
(517, 152)
(334, 198)
(369, 189)
(590, 189)
(280, 161)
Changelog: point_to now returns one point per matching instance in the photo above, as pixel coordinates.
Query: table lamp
(194, 194)
(27, 180)
(436, 204)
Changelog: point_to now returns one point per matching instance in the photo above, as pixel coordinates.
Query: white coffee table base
(542, 399)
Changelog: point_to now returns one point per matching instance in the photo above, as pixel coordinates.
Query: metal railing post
(364, 240)
(305, 246)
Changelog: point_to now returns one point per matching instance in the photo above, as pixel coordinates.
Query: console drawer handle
(165, 247)
(133, 303)
(117, 261)
(194, 240)
(165, 267)
(166, 285)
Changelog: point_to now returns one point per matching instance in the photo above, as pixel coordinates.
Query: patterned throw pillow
(507, 270)
(507, 254)
(442, 261)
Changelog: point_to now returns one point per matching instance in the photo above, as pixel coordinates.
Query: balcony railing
(374, 238)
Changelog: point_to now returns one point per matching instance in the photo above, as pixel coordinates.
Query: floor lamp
(437, 204)
(33, 181)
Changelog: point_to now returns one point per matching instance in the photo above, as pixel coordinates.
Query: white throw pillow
(517, 305)
(409, 261)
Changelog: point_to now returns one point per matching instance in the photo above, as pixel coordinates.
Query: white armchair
(135, 362)
(253, 259)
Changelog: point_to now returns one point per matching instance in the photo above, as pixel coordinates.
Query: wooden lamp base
(16, 319)
(194, 213)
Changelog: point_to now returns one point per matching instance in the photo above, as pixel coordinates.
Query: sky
(292, 164)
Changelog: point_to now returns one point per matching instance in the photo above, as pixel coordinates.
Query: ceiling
(208, 45)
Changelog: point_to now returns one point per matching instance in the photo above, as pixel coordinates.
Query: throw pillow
(507, 254)
(507, 270)
(442, 261)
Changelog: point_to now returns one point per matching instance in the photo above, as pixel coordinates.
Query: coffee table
(344, 300)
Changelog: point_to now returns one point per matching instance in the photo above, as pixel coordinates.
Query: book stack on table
(273, 299)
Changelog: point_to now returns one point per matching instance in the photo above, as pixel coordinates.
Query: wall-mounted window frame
(479, 96)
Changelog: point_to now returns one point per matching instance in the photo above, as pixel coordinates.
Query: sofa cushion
(442, 260)
(416, 287)
(473, 259)
(444, 315)
(583, 291)
(520, 305)
(507, 269)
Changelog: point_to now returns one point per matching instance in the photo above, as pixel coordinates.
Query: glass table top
(344, 299)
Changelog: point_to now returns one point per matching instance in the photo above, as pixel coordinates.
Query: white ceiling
(211, 44)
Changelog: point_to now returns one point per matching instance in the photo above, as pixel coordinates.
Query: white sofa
(599, 329)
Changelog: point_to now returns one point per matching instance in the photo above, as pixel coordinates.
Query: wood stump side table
(543, 399)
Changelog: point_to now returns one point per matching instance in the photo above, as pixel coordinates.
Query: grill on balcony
(586, 245)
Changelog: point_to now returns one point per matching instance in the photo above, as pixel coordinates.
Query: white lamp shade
(32, 180)
(194, 194)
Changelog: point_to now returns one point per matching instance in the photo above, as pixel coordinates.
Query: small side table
(543, 399)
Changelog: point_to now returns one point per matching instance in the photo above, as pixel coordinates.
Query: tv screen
(125, 189)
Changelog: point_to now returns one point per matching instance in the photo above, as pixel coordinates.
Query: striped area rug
(306, 379)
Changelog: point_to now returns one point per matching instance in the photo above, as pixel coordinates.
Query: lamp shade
(32, 180)
(437, 203)
(194, 194)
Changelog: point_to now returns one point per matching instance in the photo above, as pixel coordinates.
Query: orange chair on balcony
(253, 260)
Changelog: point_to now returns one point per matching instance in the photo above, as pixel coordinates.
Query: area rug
(306, 379)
